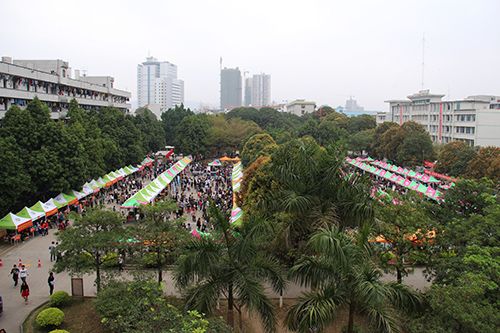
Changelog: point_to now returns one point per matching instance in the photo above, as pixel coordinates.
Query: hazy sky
(318, 50)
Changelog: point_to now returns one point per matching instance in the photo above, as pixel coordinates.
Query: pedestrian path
(14, 309)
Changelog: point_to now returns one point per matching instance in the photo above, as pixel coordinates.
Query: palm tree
(342, 274)
(233, 265)
(308, 191)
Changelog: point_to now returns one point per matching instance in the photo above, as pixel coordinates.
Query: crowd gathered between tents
(192, 185)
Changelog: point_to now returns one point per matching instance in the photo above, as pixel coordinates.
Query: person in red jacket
(25, 292)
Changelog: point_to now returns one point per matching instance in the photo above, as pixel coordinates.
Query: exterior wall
(230, 92)
(301, 107)
(248, 91)
(382, 117)
(157, 83)
(261, 90)
(474, 120)
(19, 85)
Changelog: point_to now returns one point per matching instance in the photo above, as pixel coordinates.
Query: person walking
(120, 263)
(23, 273)
(51, 281)
(25, 292)
(52, 251)
(15, 274)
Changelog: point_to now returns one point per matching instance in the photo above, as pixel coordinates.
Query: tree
(454, 158)
(406, 228)
(14, 180)
(302, 189)
(267, 118)
(415, 148)
(465, 198)
(141, 307)
(230, 263)
(85, 245)
(341, 273)
(229, 134)
(159, 234)
(361, 123)
(361, 141)
(377, 145)
(261, 144)
(171, 119)
(328, 132)
(192, 134)
(485, 164)
(152, 130)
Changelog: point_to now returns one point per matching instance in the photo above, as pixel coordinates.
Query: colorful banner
(148, 193)
(395, 178)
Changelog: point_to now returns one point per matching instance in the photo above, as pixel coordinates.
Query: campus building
(474, 120)
(157, 84)
(52, 82)
(301, 107)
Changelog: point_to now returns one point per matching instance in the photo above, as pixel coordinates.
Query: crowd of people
(196, 187)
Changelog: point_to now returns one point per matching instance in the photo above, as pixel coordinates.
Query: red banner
(428, 164)
(440, 175)
(170, 152)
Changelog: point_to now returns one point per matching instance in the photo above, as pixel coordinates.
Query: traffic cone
(1, 263)
(39, 263)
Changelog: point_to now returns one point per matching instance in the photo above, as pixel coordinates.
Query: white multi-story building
(474, 120)
(261, 90)
(157, 83)
(51, 81)
(301, 107)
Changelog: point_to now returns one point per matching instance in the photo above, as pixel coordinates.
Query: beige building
(474, 120)
(51, 81)
(301, 107)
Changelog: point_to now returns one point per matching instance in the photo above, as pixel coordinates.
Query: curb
(21, 328)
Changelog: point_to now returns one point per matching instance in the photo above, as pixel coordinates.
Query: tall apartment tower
(230, 88)
(157, 83)
(261, 90)
(248, 91)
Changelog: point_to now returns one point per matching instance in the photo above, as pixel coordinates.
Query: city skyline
(372, 51)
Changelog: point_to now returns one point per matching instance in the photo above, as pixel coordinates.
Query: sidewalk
(14, 309)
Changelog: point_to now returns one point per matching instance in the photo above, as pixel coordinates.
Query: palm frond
(404, 298)
(250, 293)
(313, 271)
(272, 271)
(313, 310)
(203, 296)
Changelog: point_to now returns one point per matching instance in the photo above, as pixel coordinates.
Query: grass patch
(79, 317)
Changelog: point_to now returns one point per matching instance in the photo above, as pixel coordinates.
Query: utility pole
(423, 60)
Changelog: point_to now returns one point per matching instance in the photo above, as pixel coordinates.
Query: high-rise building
(261, 90)
(474, 120)
(248, 91)
(51, 81)
(157, 83)
(230, 88)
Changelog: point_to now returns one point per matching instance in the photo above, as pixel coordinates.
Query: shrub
(59, 298)
(50, 317)
(59, 331)
(110, 260)
(149, 260)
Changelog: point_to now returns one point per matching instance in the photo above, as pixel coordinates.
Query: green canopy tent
(48, 210)
(14, 222)
(30, 214)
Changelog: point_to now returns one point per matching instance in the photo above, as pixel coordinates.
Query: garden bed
(79, 317)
